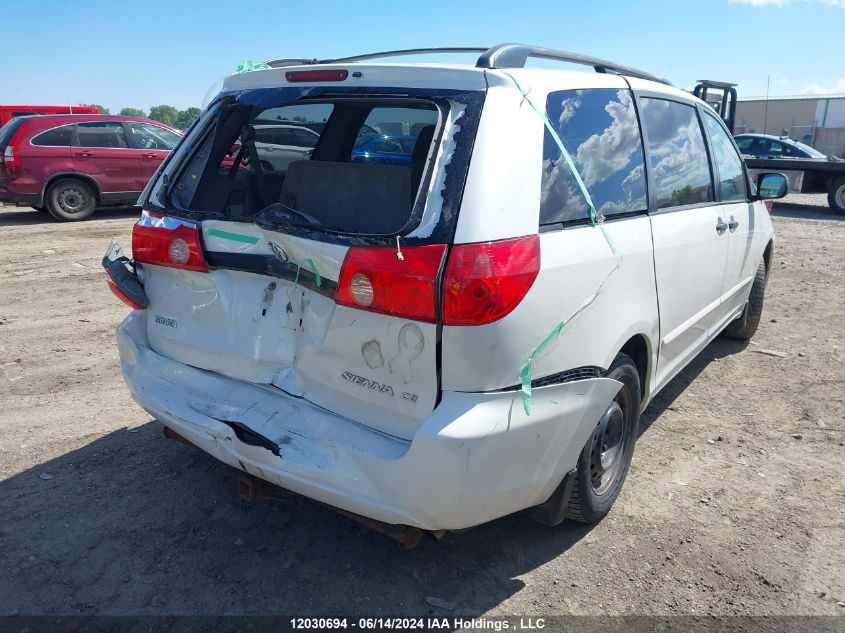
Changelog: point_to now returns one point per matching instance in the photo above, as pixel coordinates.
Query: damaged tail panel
(320, 227)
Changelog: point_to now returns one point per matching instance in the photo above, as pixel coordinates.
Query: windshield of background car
(811, 151)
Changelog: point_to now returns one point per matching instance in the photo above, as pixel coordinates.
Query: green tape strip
(248, 66)
(594, 217)
(525, 372)
(313, 268)
(236, 237)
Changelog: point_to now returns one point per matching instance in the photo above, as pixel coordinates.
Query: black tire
(836, 195)
(745, 326)
(40, 209)
(71, 199)
(595, 489)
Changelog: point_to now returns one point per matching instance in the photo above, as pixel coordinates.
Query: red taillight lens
(374, 279)
(176, 246)
(486, 281)
(9, 160)
(769, 204)
(295, 76)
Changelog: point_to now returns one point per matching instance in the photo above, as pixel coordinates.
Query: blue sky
(143, 54)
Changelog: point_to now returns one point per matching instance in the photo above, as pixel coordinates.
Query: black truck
(819, 175)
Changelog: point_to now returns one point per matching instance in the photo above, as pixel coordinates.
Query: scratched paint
(411, 344)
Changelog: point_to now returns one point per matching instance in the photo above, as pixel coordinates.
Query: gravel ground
(735, 503)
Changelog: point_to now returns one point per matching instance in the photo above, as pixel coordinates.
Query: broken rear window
(345, 165)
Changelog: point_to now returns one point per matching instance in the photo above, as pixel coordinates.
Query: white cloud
(837, 86)
(603, 155)
(779, 3)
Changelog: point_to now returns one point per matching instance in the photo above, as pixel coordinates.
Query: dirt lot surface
(735, 503)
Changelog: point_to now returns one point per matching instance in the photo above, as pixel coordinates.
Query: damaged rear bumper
(476, 458)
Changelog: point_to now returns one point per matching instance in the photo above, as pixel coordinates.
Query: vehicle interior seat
(364, 198)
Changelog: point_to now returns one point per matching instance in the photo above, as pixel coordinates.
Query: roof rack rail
(360, 58)
(515, 56)
(499, 56)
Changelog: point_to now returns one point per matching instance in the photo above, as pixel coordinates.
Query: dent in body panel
(481, 442)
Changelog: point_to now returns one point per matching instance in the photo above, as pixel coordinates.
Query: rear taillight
(165, 241)
(486, 281)
(375, 279)
(769, 204)
(122, 295)
(10, 160)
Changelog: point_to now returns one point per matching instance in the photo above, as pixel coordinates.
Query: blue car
(385, 149)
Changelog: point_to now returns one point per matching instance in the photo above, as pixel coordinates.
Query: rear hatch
(269, 254)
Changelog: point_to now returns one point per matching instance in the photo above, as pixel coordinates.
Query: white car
(443, 344)
(280, 145)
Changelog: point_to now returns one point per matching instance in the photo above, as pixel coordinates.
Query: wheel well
(637, 348)
(767, 255)
(72, 175)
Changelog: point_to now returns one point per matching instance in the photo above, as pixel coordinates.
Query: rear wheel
(836, 195)
(745, 326)
(70, 199)
(605, 459)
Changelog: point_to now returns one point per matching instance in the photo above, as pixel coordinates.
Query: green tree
(186, 117)
(166, 114)
(103, 110)
(133, 112)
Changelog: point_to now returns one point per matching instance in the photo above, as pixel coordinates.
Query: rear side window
(730, 175)
(599, 130)
(679, 166)
(57, 137)
(101, 134)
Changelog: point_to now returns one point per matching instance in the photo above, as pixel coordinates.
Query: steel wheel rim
(840, 197)
(71, 200)
(609, 444)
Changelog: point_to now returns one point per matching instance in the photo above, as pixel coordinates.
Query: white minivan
(440, 343)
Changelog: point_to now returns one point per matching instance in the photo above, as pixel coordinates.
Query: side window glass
(731, 177)
(775, 149)
(57, 137)
(305, 138)
(599, 129)
(148, 136)
(745, 144)
(101, 134)
(680, 169)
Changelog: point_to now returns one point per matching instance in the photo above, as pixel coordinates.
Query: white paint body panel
(689, 261)
(475, 458)
(577, 267)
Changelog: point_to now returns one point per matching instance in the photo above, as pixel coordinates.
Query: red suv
(70, 164)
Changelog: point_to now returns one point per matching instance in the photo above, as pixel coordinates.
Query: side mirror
(771, 186)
